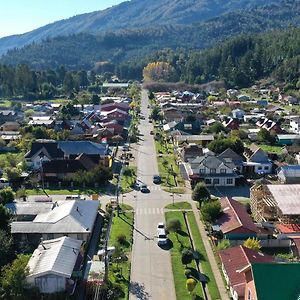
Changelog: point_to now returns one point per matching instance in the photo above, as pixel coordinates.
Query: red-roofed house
(235, 223)
(286, 231)
(235, 259)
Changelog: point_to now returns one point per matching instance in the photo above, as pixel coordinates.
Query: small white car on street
(162, 238)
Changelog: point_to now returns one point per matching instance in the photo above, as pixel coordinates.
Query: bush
(187, 256)
(173, 225)
(6, 195)
(188, 273)
(121, 239)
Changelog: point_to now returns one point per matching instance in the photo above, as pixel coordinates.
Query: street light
(172, 195)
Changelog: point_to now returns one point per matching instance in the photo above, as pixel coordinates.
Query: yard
(272, 149)
(181, 241)
(179, 205)
(119, 272)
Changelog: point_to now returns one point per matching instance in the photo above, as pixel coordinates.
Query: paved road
(151, 272)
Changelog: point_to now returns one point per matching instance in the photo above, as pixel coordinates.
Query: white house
(52, 264)
(295, 124)
(238, 114)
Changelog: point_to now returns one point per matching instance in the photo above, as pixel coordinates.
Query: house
(243, 98)
(295, 124)
(272, 281)
(235, 223)
(186, 126)
(10, 126)
(172, 114)
(231, 124)
(287, 139)
(232, 93)
(230, 155)
(238, 114)
(235, 259)
(51, 266)
(191, 151)
(257, 161)
(48, 150)
(200, 139)
(289, 174)
(115, 114)
(119, 105)
(8, 116)
(269, 125)
(275, 203)
(287, 231)
(72, 218)
(212, 170)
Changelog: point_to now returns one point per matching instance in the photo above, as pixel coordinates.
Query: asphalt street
(151, 271)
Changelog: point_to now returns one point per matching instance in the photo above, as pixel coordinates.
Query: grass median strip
(205, 265)
(179, 242)
(119, 272)
(179, 205)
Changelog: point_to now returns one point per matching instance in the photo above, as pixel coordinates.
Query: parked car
(156, 179)
(160, 225)
(151, 132)
(162, 238)
(144, 188)
(3, 183)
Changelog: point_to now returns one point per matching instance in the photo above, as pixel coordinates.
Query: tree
(223, 244)
(191, 284)
(13, 279)
(187, 257)
(95, 99)
(6, 195)
(200, 193)
(264, 136)
(173, 225)
(159, 71)
(13, 174)
(211, 210)
(217, 127)
(252, 243)
(221, 144)
(5, 218)
(6, 248)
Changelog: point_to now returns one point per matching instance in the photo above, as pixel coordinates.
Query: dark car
(144, 189)
(156, 179)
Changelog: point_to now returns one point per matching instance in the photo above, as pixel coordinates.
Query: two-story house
(213, 171)
(295, 124)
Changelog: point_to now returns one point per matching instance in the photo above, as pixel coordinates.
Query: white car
(160, 225)
(162, 238)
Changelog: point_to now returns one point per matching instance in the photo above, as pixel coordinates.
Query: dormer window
(223, 171)
(213, 171)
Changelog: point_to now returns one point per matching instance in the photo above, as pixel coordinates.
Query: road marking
(149, 211)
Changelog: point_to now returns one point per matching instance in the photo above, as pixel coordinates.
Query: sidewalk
(210, 255)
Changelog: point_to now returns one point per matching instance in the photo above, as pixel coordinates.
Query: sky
(20, 16)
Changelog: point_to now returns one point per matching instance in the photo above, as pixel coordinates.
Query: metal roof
(287, 197)
(57, 256)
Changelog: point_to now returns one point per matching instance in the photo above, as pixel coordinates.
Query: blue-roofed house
(289, 174)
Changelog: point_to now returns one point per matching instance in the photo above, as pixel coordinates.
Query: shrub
(188, 273)
(121, 239)
(187, 256)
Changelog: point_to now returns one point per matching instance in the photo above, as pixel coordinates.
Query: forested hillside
(84, 50)
(134, 14)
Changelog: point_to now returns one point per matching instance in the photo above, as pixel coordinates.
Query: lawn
(180, 242)
(122, 225)
(175, 190)
(127, 180)
(205, 265)
(179, 205)
(272, 149)
(63, 191)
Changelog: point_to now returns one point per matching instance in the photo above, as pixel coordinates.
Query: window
(266, 168)
(216, 181)
(223, 171)
(249, 295)
(50, 236)
(229, 181)
(259, 168)
(202, 171)
(207, 181)
(213, 171)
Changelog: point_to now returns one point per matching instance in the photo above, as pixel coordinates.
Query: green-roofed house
(272, 281)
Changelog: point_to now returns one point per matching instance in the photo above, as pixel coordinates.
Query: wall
(50, 283)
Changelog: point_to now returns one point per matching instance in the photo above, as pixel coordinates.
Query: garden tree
(223, 244)
(252, 243)
(264, 136)
(212, 98)
(211, 210)
(13, 280)
(5, 218)
(221, 144)
(187, 257)
(6, 195)
(159, 71)
(95, 99)
(217, 127)
(155, 113)
(13, 174)
(173, 225)
(69, 110)
(6, 248)
(151, 96)
(190, 284)
(200, 193)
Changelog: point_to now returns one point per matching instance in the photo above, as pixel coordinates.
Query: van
(73, 197)
(3, 183)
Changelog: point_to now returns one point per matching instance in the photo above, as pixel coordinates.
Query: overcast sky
(19, 16)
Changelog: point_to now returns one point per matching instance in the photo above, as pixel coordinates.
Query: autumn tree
(159, 71)
(191, 284)
(252, 243)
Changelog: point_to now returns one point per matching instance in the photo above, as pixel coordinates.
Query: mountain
(84, 50)
(134, 14)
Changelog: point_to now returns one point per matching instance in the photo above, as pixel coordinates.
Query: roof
(288, 228)
(63, 166)
(212, 162)
(200, 137)
(229, 153)
(277, 281)
(29, 208)
(291, 171)
(71, 216)
(57, 256)
(237, 258)
(234, 217)
(287, 197)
